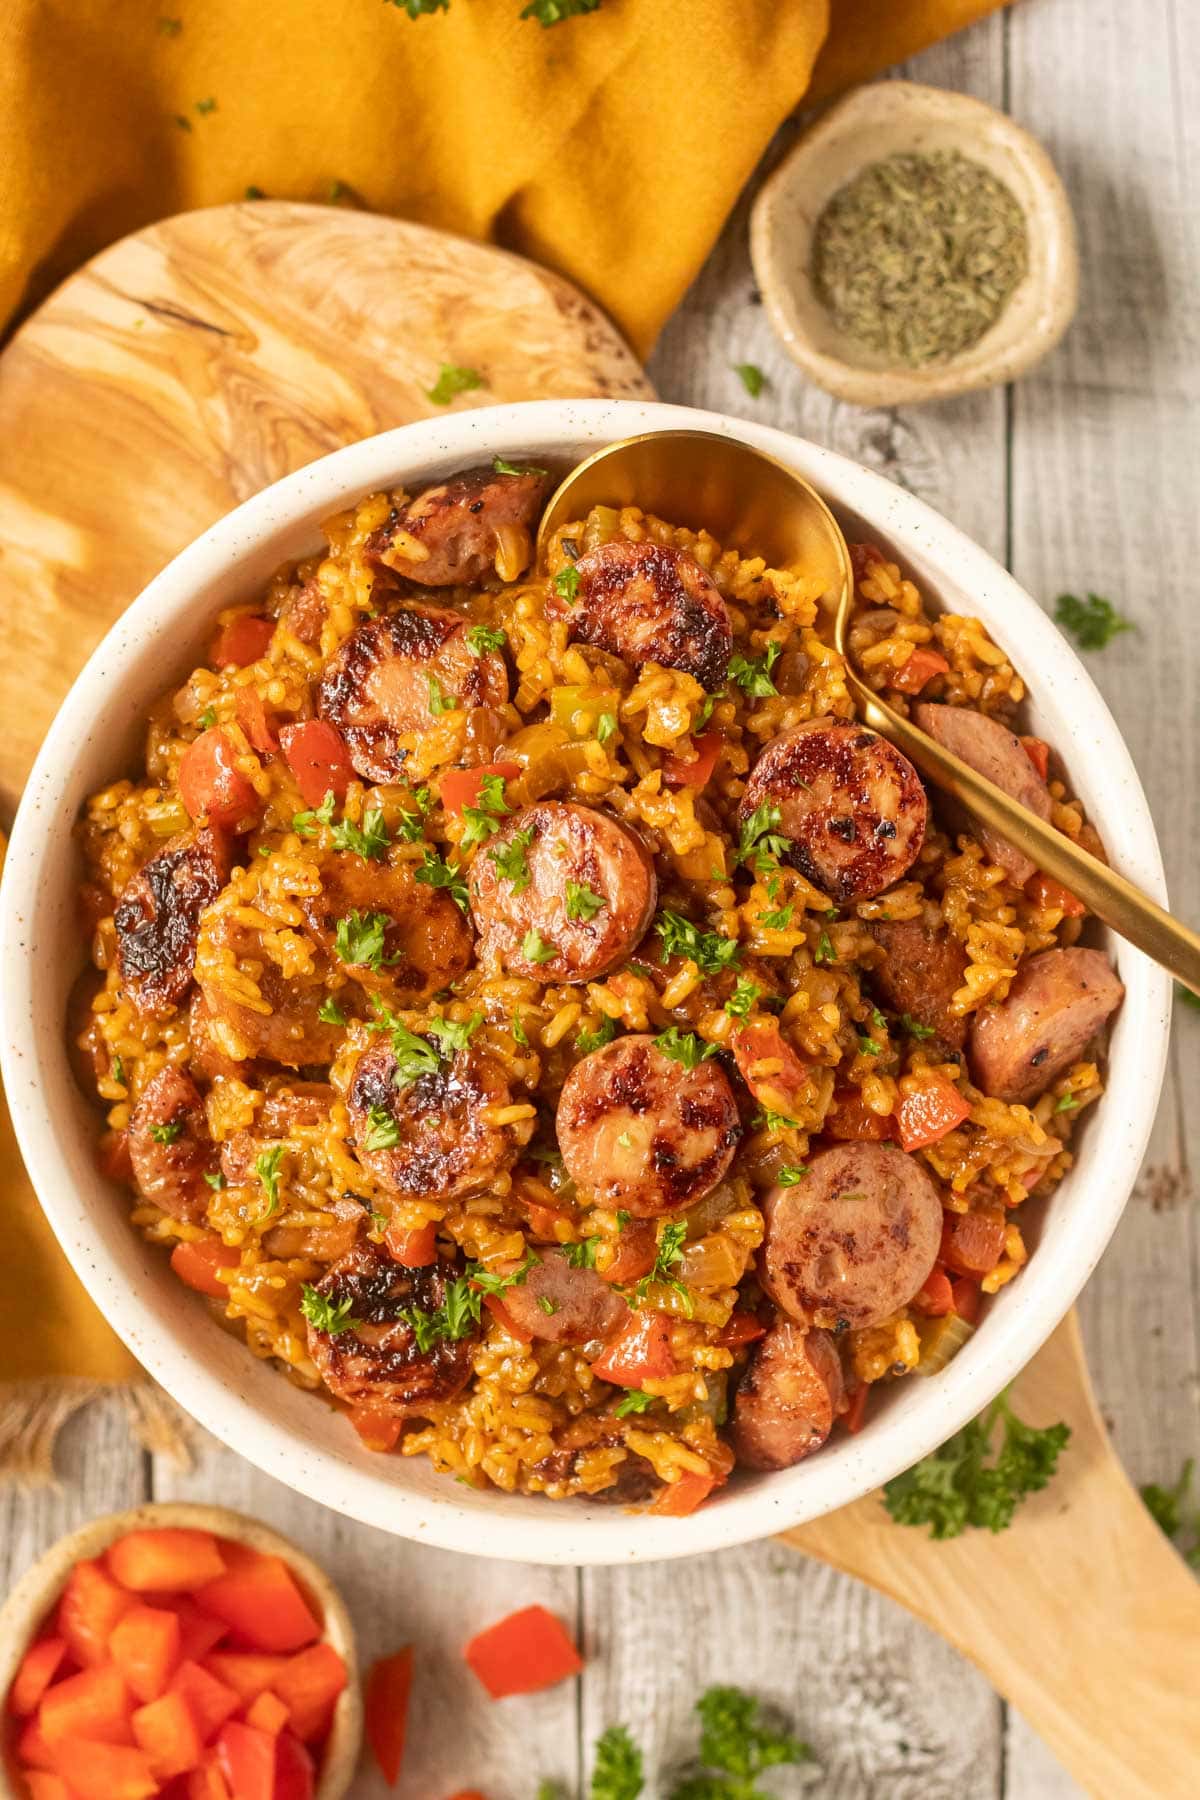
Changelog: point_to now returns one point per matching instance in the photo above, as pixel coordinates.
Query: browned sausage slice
(1055, 1006)
(651, 603)
(170, 1147)
(397, 675)
(850, 802)
(157, 918)
(427, 942)
(922, 970)
(996, 752)
(291, 1030)
(429, 1136)
(788, 1398)
(461, 524)
(563, 1305)
(305, 1104)
(574, 877)
(640, 1132)
(855, 1237)
(374, 1360)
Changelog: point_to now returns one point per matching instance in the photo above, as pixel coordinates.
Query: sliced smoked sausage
(850, 803)
(373, 1360)
(575, 878)
(426, 943)
(170, 1147)
(922, 970)
(428, 1136)
(996, 752)
(639, 1131)
(854, 1238)
(283, 1024)
(157, 918)
(564, 1305)
(458, 525)
(1057, 1003)
(651, 603)
(788, 1398)
(396, 675)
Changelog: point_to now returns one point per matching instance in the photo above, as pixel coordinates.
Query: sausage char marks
(854, 1239)
(996, 752)
(426, 942)
(572, 856)
(443, 1144)
(1056, 1005)
(374, 1361)
(170, 1147)
(650, 603)
(640, 1132)
(788, 1398)
(383, 682)
(850, 803)
(458, 524)
(157, 918)
(922, 970)
(583, 1307)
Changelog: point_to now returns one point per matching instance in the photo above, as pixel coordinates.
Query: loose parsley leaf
(753, 673)
(415, 8)
(455, 1034)
(266, 1167)
(706, 711)
(587, 1041)
(741, 1002)
(824, 952)
(325, 1315)
(359, 938)
(548, 1306)
(1065, 1103)
(1166, 1509)
(566, 584)
(512, 864)
(215, 1179)
(752, 378)
(382, 1131)
(606, 727)
(485, 1281)
(368, 840)
(485, 637)
(204, 107)
(734, 1740)
(668, 1253)
(330, 1013)
(451, 379)
(169, 27)
(868, 1047)
(1093, 622)
(617, 1772)
(415, 1056)
(305, 823)
(455, 1318)
(167, 1132)
(779, 920)
(208, 718)
(791, 1174)
(582, 901)
(520, 1035)
(439, 700)
(534, 947)
(956, 1487)
(635, 1401)
(118, 1070)
(761, 844)
(483, 821)
(583, 1254)
(436, 873)
(915, 1029)
(506, 468)
(684, 1047)
(707, 949)
(557, 12)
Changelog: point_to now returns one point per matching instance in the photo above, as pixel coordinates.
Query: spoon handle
(1121, 905)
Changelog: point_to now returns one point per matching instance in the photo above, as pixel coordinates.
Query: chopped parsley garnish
(582, 901)
(455, 1318)
(753, 673)
(416, 8)
(437, 873)
(382, 1131)
(583, 1254)
(778, 920)
(606, 727)
(329, 1316)
(669, 1252)
(1065, 1103)
(566, 585)
(204, 107)
(741, 1002)
(360, 938)
(415, 1056)
(957, 1486)
(635, 1401)
(706, 711)
(915, 1029)
(791, 1174)
(1093, 622)
(511, 862)
(1166, 1507)
(735, 1748)
(368, 840)
(506, 468)
(455, 1034)
(215, 1179)
(684, 1047)
(767, 1120)
(868, 1047)
(266, 1167)
(617, 1771)
(483, 821)
(167, 1132)
(439, 700)
(208, 718)
(761, 844)
(824, 952)
(752, 378)
(557, 12)
(330, 1013)
(520, 1035)
(118, 1070)
(305, 823)
(451, 379)
(548, 1306)
(486, 1282)
(534, 947)
(487, 637)
(707, 949)
(587, 1041)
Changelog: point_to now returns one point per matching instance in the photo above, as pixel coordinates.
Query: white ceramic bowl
(290, 1434)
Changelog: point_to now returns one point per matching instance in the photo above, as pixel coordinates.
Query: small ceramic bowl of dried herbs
(915, 244)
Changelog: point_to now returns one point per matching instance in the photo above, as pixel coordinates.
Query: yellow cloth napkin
(611, 146)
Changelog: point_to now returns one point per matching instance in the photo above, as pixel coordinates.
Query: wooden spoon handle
(1081, 1614)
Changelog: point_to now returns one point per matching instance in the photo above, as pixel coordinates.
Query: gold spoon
(752, 503)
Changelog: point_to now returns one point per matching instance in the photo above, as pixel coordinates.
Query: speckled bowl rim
(39, 1588)
(289, 1434)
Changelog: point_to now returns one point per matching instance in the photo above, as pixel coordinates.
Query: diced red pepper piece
(972, 1243)
(463, 787)
(39, 1666)
(1044, 891)
(92, 1704)
(415, 1249)
(851, 1120)
(243, 640)
(198, 1634)
(165, 1561)
(501, 1314)
(259, 1600)
(379, 1431)
(295, 1777)
(308, 1685)
(697, 773)
(44, 1786)
(967, 1296)
(255, 721)
(90, 1606)
(522, 1653)
(247, 1674)
(681, 1497)
(207, 1782)
(96, 1770)
(267, 1713)
(919, 670)
(318, 758)
(33, 1752)
(1038, 752)
(196, 1265)
(935, 1299)
(211, 1702)
(755, 1048)
(145, 1647)
(246, 1758)
(856, 1410)
(924, 1117)
(212, 785)
(166, 1730)
(742, 1328)
(388, 1686)
(641, 1351)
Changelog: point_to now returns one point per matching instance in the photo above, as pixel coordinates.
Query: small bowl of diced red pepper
(177, 1653)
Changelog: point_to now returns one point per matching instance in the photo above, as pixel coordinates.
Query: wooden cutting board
(191, 364)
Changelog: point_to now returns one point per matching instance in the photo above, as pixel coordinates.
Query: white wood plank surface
(1084, 476)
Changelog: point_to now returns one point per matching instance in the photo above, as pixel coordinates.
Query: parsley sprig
(1093, 622)
(958, 1486)
(707, 949)
(761, 843)
(483, 821)
(1167, 1510)
(361, 937)
(331, 1316)
(266, 1167)
(511, 862)
(667, 1255)
(753, 673)
(583, 902)
(436, 872)
(735, 1747)
(684, 1047)
(369, 840)
(482, 638)
(452, 379)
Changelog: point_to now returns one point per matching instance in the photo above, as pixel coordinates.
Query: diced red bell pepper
(1044, 891)
(196, 1265)
(856, 1410)
(967, 1296)
(468, 1794)
(309, 1685)
(641, 1351)
(256, 722)
(44, 1786)
(501, 1314)
(924, 1117)
(379, 1431)
(463, 787)
(935, 1298)
(267, 1713)
(697, 773)
(39, 1666)
(33, 1752)
(211, 784)
(415, 1249)
(295, 1777)
(1038, 752)
(243, 640)
(207, 1782)
(741, 1328)
(166, 1730)
(95, 1770)
(247, 1674)
(972, 1243)
(680, 1498)
(522, 1653)
(198, 1634)
(388, 1686)
(246, 1758)
(259, 1601)
(919, 670)
(851, 1120)
(318, 758)
(165, 1561)
(211, 1702)
(92, 1704)
(763, 1044)
(90, 1606)
(145, 1647)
